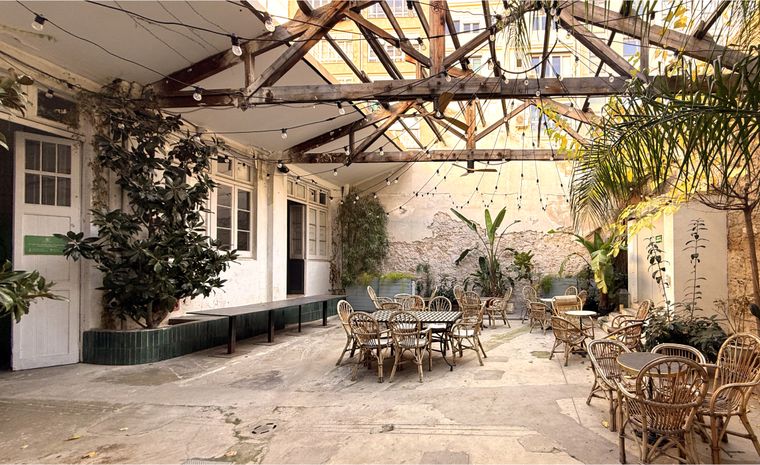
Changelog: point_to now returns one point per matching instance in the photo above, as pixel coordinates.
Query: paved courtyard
(287, 402)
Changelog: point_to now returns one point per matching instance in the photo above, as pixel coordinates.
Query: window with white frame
(233, 220)
(318, 3)
(326, 53)
(317, 226)
(465, 26)
(398, 7)
(394, 53)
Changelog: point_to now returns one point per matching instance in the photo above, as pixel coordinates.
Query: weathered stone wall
(739, 268)
(447, 237)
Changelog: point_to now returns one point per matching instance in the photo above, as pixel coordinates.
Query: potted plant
(154, 252)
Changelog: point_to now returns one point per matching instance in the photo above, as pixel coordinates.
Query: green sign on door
(43, 245)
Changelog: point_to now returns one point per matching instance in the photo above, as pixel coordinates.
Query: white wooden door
(47, 201)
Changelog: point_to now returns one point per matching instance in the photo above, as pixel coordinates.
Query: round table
(580, 314)
(633, 362)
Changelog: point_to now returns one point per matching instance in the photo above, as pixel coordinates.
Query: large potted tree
(153, 251)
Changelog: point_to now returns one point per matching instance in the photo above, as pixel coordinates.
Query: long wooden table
(231, 313)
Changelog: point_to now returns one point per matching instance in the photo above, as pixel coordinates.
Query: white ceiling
(167, 48)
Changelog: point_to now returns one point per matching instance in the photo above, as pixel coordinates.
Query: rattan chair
(568, 334)
(439, 304)
(680, 350)
(370, 341)
(629, 334)
(660, 407)
(564, 303)
(737, 373)
(413, 303)
(465, 334)
(529, 295)
(391, 305)
(458, 291)
(344, 312)
(538, 314)
(603, 355)
(498, 306)
(434, 293)
(373, 297)
(571, 290)
(583, 295)
(642, 313)
(408, 336)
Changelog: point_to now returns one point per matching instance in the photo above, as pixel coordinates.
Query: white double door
(47, 201)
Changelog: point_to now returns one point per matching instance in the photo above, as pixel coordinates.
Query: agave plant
(489, 276)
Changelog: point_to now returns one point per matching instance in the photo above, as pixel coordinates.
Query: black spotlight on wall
(282, 168)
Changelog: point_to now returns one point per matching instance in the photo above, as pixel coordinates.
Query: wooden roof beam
(678, 42)
(393, 116)
(435, 156)
(404, 45)
(423, 19)
(520, 108)
(318, 27)
(704, 27)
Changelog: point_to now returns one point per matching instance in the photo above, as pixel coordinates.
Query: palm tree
(694, 135)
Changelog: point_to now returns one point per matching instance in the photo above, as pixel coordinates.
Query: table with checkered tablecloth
(424, 316)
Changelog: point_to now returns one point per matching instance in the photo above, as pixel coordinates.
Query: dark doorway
(296, 252)
(6, 232)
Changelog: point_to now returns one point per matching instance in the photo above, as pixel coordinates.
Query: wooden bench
(270, 307)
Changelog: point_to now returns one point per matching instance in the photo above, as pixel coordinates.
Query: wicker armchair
(660, 408)
(458, 292)
(498, 306)
(564, 303)
(642, 313)
(680, 350)
(370, 341)
(529, 295)
(413, 303)
(373, 297)
(629, 334)
(408, 336)
(737, 373)
(603, 355)
(565, 332)
(465, 334)
(571, 290)
(344, 312)
(439, 304)
(538, 314)
(391, 305)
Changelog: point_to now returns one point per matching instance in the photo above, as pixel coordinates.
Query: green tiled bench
(190, 333)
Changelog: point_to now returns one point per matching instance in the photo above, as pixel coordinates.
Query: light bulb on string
(538, 93)
(427, 152)
(49, 93)
(236, 50)
(347, 152)
(448, 77)
(279, 164)
(526, 82)
(374, 196)
(341, 110)
(395, 181)
(269, 24)
(39, 22)
(198, 94)
(421, 43)
(335, 172)
(381, 152)
(612, 79)
(357, 197)
(284, 134)
(490, 64)
(387, 181)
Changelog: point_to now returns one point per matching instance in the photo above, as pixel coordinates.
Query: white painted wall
(675, 230)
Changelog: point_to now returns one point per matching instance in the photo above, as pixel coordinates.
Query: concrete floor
(287, 402)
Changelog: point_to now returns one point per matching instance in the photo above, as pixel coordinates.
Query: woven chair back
(571, 290)
(416, 303)
(405, 328)
(439, 304)
(642, 313)
(667, 393)
(458, 291)
(537, 310)
(679, 350)
(529, 294)
(630, 334)
(565, 331)
(365, 328)
(470, 298)
(434, 293)
(583, 295)
(344, 312)
(738, 362)
(507, 294)
(603, 355)
(564, 303)
(373, 296)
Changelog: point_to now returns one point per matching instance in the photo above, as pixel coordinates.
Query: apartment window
(539, 21)
(476, 63)
(47, 173)
(326, 53)
(318, 3)
(394, 53)
(553, 65)
(397, 6)
(233, 205)
(630, 48)
(466, 26)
